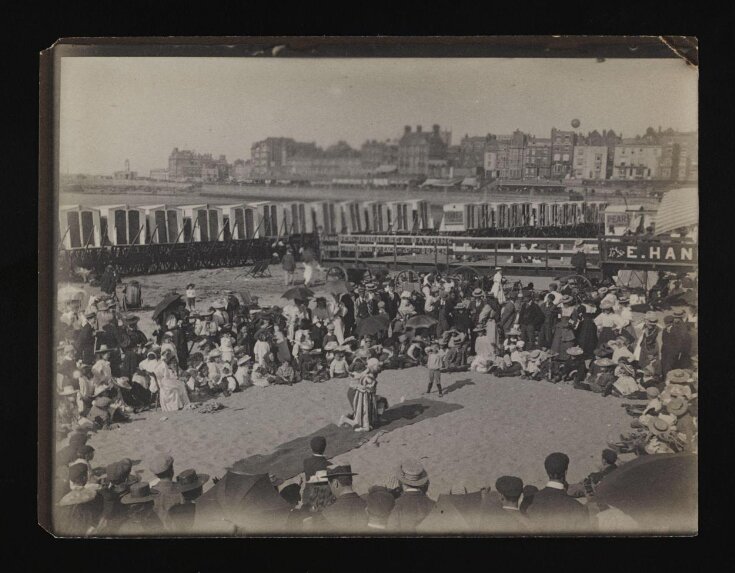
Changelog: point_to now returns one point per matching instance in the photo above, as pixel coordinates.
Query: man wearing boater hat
(414, 505)
(347, 514)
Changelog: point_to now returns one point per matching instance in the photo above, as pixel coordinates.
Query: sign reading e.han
(652, 252)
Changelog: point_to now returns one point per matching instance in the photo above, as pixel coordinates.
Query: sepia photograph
(307, 294)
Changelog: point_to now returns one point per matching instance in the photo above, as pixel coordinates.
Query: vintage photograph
(372, 296)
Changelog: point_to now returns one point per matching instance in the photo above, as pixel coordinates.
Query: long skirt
(364, 410)
(173, 395)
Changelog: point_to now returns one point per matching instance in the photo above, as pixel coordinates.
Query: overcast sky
(141, 108)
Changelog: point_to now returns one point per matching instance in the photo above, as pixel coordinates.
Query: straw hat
(412, 473)
(140, 492)
(477, 292)
(102, 349)
(405, 294)
(567, 299)
(604, 362)
(575, 351)
(122, 382)
(678, 406)
(603, 290)
(652, 392)
(651, 317)
(535, 354)
(658, 426)
(678, 376)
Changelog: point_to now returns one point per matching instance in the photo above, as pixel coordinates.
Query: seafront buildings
(418, 155)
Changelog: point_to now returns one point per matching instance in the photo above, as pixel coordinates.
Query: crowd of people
(575, 332)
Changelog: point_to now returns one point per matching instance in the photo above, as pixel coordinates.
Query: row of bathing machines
(85, 226)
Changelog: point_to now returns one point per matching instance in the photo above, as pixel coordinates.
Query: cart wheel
(337, 273)
(465, 274)
(581, 279)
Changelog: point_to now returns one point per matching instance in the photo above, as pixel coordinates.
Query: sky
(112, 109)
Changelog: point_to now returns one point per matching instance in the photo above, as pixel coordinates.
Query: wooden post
(395, 252)
(496, 252)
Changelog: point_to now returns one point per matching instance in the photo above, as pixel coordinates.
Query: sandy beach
(497, 426)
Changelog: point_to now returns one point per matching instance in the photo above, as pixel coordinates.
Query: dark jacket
(85, 344)
(288, 263)
(410, 510)
(314, 464)
(531, 314)
(346, 514)
(554, 511)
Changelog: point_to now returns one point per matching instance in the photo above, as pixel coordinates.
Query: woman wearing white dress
(338, 310)
(497, 289)
(173, 395)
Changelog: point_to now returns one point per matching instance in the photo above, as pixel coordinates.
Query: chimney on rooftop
(418, 129)
(407, 129)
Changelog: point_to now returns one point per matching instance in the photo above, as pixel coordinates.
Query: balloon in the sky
(575, 123)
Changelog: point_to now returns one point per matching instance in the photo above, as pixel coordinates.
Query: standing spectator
(579, 259)
(380, 503)
(531, 320)
(289, 266)
(168, 492)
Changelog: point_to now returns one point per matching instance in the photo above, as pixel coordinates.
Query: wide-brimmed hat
(336, 471)
(307, 344)
(122, 382)
(243, 360)
(535, 354)
(477, 292)
(67, 391)
(140, 492)
(604, 362)
(405, 294)
(102, 349)
(678, 376)
(603, 290)
(652, 392)
(651, 317)
(678, 406)
(190, 479)
(567, 299)
(131, 318)
(330, 326)
(412, 473)
(658, 426)
(216, 353)
(371, 287)
(514, 332)
(575, 351)
(679, 313)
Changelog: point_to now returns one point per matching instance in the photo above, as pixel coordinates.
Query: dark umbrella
(421, 321)
(300, 293)
(372, 325)
(658, 491)
(247, 501)
(169, 300)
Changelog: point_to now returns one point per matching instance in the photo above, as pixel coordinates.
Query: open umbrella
(246, 501)
(168, 301)
(372, 325)
(421, 321)
(658, 491)
(300, 293)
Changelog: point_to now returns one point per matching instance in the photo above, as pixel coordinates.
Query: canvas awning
(678, 208)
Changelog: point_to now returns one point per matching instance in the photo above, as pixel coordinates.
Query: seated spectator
(380, 503)
(141, 518)
(347, 514)
(587, 486)
(181, 516)
(317, 460)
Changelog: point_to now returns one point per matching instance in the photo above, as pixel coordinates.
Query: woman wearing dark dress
(546, 333)
(587, 335)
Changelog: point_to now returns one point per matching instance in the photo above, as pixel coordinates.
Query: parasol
(168, 301)
(421, 321)
(372, 325)
(70, 293)
(299, 293)
(657, 490)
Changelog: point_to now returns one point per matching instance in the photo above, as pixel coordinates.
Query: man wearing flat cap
(553, 510)
(169, 495)
(347, 514)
